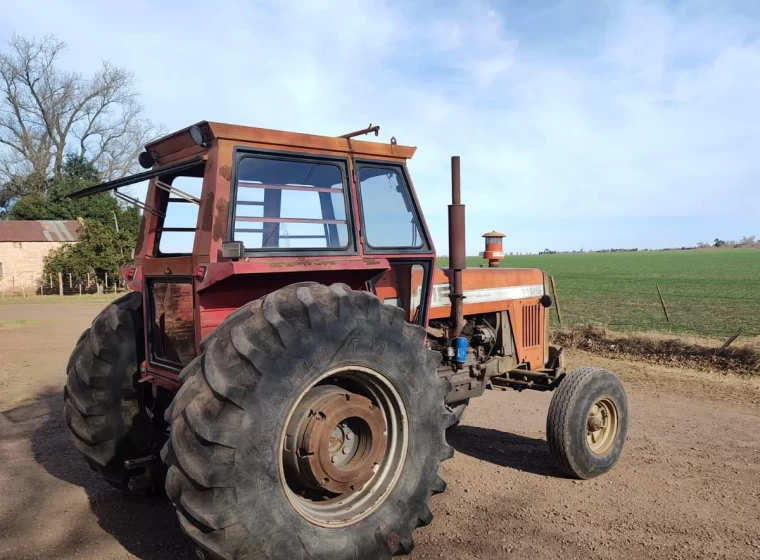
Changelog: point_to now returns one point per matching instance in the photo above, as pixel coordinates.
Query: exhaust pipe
(457, 255)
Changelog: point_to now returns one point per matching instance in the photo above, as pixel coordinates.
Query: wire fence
(668, 305)
(61, 284)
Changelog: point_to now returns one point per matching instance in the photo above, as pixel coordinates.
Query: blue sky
(581, 124)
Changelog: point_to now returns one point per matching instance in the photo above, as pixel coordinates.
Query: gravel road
(687, 486)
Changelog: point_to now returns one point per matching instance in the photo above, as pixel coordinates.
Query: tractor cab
(234, 212)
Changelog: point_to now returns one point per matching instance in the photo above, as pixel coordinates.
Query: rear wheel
(311, 426)
(587, 422)
(100, 396)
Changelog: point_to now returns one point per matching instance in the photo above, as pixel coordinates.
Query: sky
(580, 124)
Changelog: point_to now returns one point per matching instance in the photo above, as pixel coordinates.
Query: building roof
(47, 230)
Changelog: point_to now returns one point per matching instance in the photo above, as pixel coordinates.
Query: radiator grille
(531, 323)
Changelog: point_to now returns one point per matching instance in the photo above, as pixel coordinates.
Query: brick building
(24, 246)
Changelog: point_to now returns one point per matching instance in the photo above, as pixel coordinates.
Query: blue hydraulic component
(460, 349)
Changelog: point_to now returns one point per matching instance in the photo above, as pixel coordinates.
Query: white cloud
(647, 114)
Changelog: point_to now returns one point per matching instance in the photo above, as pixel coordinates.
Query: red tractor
(289, 358)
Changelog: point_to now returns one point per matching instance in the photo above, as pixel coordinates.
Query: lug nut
(349, 435)
(345, 451)
(334, 458)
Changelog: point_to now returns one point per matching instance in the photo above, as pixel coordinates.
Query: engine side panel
(516, 291)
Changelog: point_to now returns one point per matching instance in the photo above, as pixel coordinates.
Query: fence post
(23, 291)
(726, 344)
(51, 280)
(556, 300)
(662, 302)
(106, 285)
(88, 280)
(71, 285)
(60, 284)
(80, 288)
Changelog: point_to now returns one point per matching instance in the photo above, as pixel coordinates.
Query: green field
(707, 292)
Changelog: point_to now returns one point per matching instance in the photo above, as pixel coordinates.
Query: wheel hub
(339, 438)
(602, 426)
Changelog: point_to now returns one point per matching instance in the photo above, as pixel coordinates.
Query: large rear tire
(100, 396)
(269, 378)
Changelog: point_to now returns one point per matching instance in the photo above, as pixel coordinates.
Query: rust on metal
(178, 145)
(457, 256)
(494, 251)
(225, 171)
(362, 132)
(340, 437)
(220, 222)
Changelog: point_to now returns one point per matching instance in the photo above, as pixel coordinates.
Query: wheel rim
(602, 426)
(343, 446)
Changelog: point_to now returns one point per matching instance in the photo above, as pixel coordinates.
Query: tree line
(60, 132)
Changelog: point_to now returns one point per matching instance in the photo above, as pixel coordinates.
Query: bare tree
(46, 112)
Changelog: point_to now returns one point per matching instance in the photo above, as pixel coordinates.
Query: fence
(667, 305)
(61, 284)
(624, 304)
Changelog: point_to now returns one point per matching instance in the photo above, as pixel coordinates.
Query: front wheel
(587, 422)
(312, 425)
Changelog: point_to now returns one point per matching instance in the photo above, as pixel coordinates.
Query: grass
(707, 292)
(74, 299)
(14, 324)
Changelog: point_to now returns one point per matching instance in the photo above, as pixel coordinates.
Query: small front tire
(587, 422)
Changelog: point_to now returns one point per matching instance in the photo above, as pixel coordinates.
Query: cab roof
(273, 139)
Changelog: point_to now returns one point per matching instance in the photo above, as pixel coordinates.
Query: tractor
(288, 359)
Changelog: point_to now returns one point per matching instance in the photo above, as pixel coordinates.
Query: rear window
(290, 204)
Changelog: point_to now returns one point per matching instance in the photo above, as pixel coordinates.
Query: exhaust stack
(457, 255)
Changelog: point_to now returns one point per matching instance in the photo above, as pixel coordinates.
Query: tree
(719, 243)
(51, 202)
(47, 113)
(101, 249)
(748, 240)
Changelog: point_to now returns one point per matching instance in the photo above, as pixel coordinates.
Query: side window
(402, 286)
(173, 331)
(282, 204)
(387, 209)
(178, 228)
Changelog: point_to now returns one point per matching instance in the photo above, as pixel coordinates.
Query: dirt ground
(687, 486)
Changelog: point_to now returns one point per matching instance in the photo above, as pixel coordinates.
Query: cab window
(290, 204)
(387, 209)
(179, 203)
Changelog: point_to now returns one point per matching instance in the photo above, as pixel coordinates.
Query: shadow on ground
(504, 449)
(145, 526)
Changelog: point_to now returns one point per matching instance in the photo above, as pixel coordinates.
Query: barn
(23, 248)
